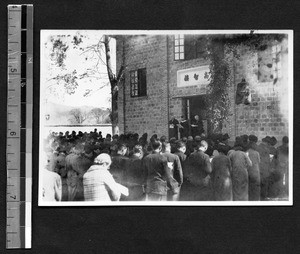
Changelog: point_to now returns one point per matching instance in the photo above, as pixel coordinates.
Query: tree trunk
(113, 84)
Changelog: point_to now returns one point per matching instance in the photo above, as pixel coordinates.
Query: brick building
(166, 75)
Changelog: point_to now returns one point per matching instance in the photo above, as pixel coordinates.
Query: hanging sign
(193, 77)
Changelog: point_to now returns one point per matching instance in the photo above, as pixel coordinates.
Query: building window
(179, 47)
(138, 85)
(190, 46)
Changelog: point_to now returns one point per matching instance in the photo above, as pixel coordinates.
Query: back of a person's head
(225, 137)
(136, 136)
(163, 139)
(222, 149)
(156, 144)
(115, 137)
(172, 140)
(219, 137)
(190, 139)
(202, 144)
(238, 141)
(245, 138)
(273, 141)
(103, 159)
(197, 139)
(121, 147)
(166, 147)
(253, 138)
(285, 140)
(180, 144)
(88, 148)
(153, 138)
(137, 149)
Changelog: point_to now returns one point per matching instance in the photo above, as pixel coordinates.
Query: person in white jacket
(98, 183)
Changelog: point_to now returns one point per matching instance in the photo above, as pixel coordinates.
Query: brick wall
(177, 93)
(267, 114)
(150, 113)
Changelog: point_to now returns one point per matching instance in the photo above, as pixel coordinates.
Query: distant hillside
(61, 114)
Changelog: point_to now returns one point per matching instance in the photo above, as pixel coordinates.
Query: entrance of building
(196, 105)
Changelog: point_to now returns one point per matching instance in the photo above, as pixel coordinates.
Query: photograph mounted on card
(168, 118)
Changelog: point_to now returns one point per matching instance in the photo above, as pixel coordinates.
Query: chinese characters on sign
(193, 77)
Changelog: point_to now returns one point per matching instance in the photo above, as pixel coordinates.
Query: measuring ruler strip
(19, 126)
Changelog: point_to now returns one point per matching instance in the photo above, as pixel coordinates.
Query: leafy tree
(67, 81)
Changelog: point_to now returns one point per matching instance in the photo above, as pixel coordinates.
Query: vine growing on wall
(219, 47)
(218, 98)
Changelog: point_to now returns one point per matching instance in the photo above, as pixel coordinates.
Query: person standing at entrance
(184, 127)
(173, 128)
(197, 126)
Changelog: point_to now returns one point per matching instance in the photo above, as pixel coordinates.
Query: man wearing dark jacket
(157, 174)
(118, 166)
(180, 152)
(134, 175)
(176, 171)
(197, 173)
(197, 126)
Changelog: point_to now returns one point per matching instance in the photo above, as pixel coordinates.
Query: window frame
(179, 53)
(188, 47)
(138, 83)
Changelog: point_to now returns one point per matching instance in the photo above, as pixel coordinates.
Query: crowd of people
(89, 167)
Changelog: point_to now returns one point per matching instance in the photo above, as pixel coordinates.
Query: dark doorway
(196, 105)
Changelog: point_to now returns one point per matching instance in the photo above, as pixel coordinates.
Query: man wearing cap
(98, 183)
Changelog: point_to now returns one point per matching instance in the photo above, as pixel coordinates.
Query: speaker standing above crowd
(93, 168)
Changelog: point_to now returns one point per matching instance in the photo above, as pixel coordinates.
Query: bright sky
(79, 61)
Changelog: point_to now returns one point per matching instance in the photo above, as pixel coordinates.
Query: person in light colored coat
(98, 183)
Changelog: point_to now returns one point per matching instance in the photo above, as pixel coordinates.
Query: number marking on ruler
(20, 72)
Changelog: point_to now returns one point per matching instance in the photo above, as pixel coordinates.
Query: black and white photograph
(166, 118)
